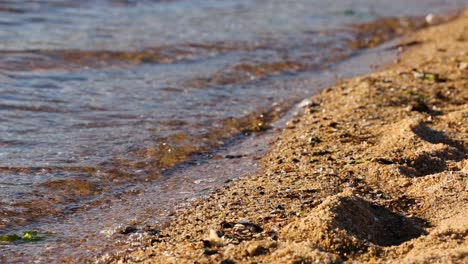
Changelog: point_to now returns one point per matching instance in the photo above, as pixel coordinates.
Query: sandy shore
(374, 171)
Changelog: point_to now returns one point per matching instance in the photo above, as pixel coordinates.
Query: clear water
(110, 109)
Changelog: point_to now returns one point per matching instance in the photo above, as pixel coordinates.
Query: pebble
(244, 221)
(238, 228)
(430, 18)
(305, 103)
(128, 230)
(214, 239)
(209, 251)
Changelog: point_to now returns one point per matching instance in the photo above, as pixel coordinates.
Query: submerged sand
(374, 171)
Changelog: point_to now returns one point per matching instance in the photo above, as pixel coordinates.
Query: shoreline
(374, 171)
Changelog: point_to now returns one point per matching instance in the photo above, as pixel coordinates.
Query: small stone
(209, 251)
(290, 125)
(305, 103)
(239, 227)
(127, 230)
(383, 160)
(243, 221)
(430, 18)
(213, 238)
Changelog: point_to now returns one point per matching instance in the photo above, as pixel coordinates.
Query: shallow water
(115, 110)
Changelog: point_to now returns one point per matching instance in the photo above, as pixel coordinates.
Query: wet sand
(374, 171)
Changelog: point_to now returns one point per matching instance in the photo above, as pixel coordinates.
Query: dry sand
(374, 171)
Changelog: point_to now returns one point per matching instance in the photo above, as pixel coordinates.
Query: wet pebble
(127, 230)
(305, 103)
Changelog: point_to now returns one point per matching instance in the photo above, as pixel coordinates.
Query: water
(115, 110)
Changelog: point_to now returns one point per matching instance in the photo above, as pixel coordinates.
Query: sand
(375, 171)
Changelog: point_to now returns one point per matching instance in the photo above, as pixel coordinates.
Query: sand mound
(346, 224)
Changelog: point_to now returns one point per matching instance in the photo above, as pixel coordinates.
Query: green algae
(27, 236)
